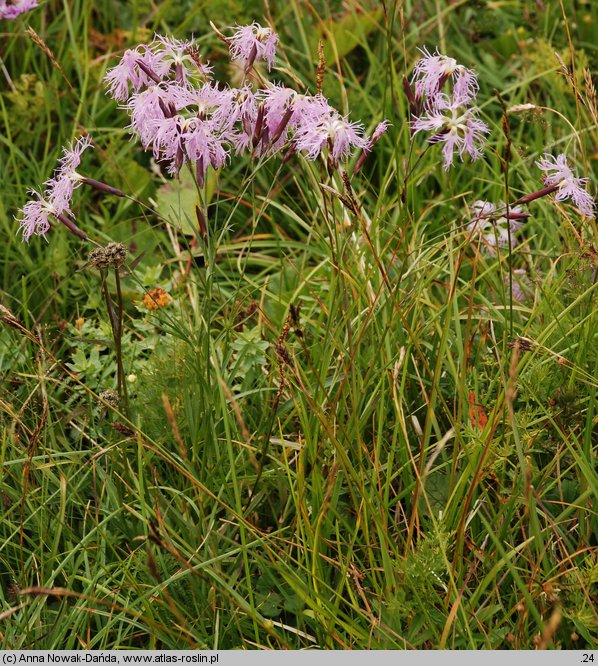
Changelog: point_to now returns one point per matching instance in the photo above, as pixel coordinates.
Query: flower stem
(118, 343)
(115, 318)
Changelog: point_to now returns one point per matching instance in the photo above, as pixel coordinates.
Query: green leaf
(176, 200)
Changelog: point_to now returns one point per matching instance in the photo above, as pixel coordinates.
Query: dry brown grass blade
(48, 51)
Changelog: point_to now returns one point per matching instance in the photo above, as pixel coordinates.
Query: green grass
(337, 437)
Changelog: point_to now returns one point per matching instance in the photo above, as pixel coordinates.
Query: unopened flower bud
(380, 130)
(71, 226)
(150, 72)
(102, 187)
(282, 125)
(528, 198)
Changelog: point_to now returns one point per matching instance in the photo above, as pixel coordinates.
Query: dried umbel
(110, 396)
(111, 256)
(13, 591)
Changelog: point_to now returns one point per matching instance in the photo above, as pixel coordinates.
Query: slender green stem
(122, 382)
(115, 317)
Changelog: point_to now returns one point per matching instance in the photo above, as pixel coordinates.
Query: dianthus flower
(242, 110)
(153, 64)
(253, 42)
(56, 198)
(10, 10)
(284, 111)
(431, 72)
(36, 213)
(491, 223)
(568, 186)
(137, 68)
(192, 124)
(332, 130)
(179, 54)
(61, 186)
(204, 145)
(277, 110)
(153, 104)
(453, 124)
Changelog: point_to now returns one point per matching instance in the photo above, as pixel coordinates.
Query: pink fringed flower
(59, 188)
(153, 104)
(455, 125)
(137, 68)
(285, 110)
(243, 111)
(35, 216)
(276, 111)
(332, 130)
(204, 145)
(15, 8)
(207, 100)
(253, 42)
(492, 225)
(197, 125)
(56, 199)
(178, 138)
(154, 64)
(433, 70)
(178, 54)
(559, 173)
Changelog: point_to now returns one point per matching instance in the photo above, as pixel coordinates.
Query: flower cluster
(55, 200)
(431, 72)
(184, 116)
(495, 226)
(253, 42)
(560, 176)
(450, 117)
(11, 9)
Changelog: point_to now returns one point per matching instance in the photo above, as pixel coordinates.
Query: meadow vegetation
(344, 418)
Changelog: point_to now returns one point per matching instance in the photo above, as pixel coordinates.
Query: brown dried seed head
(111, 256)
(116, 254)
(97, 258)
(110, 396)
(13, 591)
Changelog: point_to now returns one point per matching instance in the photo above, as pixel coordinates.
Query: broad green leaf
(178, 197)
